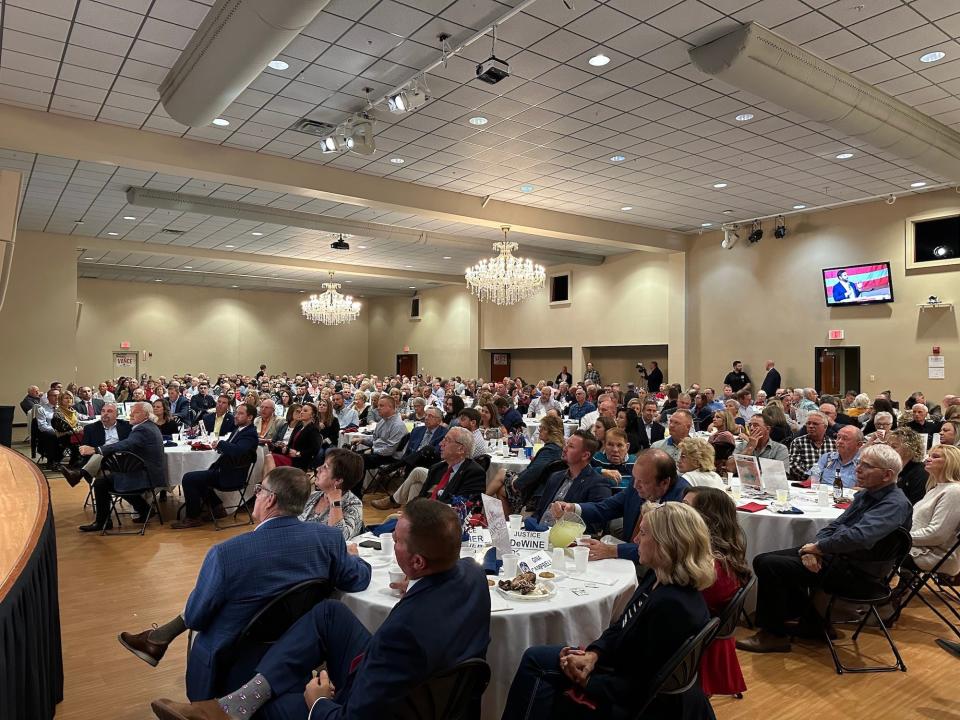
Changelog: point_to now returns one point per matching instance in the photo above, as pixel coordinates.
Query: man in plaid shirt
(805, 450)
(591, 376)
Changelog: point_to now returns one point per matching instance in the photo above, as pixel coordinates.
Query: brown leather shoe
(144, 648)
(385, 503)
(187, 523)
(72, 475)
(205, 710)
(764, 642)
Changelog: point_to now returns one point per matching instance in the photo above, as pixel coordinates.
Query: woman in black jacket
(301, 450)
(612, 678)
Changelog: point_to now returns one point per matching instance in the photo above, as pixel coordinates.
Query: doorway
(499, 366)
(837, 369)
(407, 365)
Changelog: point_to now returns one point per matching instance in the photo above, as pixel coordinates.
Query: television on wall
(858, 284)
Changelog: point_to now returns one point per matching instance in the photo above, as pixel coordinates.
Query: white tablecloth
(512, 463)
(563, 619)
(532, 426)
(182, 459)
(766, 530)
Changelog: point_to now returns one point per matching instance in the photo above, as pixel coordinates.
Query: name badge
(528, 540)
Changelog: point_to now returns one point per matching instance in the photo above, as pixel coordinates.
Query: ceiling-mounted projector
(493, 70)
(339, 244)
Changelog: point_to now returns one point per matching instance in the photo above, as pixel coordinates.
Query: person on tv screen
(845, 289)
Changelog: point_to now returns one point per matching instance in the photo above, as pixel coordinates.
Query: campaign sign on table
(497, 524)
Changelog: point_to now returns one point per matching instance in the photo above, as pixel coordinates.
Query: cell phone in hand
(371, 544)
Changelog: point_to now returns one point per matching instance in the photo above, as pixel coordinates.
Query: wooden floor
(109, 584)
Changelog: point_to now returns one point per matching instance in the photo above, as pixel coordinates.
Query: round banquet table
(766, 530)
(531, 427)
(517, 625)
(506, 462)
(182, 459)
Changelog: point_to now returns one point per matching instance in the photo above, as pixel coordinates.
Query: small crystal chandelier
(505, 279)
(330, 307)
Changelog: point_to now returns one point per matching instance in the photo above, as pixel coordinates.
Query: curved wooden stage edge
(31, 663)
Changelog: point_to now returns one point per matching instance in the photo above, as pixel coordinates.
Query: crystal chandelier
(330, 307)
(505, 279)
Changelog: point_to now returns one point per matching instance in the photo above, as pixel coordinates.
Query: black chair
(887, 555)
(682, 671)
(242, 466)
(127, 462)
(532, 495)
(452, 695)
(34, 434)
(483, 461)
(384, 476)
(941, 586)
(731, 615)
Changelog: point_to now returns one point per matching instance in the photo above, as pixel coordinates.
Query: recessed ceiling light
(412, 287)
(157, 280)
(362, 247)
(447, 257)
(229, 246)
(743, 117)
(800, 206)
(406, 266)
(301, 291)
(113, 233)
(728, 212)
(845, 156)
(256, 234)
(234, 286)
(932, 56)
(617, 158)
(719, 185)
(220, 122)
(278, 65)
(599, 60)
(348, 281)
(78, 222)
(188, 267)
(478, 120)
(917, 184)
(526, 188)
(88, 258)
(627, 207)
(129, 217)
(397, 161)
(706, 224)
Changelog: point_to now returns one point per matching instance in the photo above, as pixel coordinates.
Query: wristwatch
(337, 503)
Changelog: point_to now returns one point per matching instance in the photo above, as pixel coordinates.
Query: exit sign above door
(835, 334)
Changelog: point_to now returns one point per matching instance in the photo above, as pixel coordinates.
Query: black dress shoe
(93, 527)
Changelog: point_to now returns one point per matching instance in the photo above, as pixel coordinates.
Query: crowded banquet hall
(479, 359)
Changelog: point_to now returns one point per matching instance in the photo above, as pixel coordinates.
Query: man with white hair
(807, 449)
(145, 442)
(606, 406)
(922, 424)
(809, 400)
(539, 406)
(844, 459)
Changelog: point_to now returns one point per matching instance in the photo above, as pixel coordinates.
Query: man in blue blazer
(145, 442)
(425, 436)
(238, 577)
(179, 404)
(655, 480)
(442, 620)
(579, 483)
(228, 471)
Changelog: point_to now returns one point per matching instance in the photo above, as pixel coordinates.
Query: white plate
(376, 560)
(519, 597)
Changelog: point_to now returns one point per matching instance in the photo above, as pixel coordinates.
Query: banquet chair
(126, 462)
(888, 553)
(941, 586)
(451, 695)
(531, 496)
(730, 616)
(682, 671)
(243, 467)
(484, 461)
(385, 475)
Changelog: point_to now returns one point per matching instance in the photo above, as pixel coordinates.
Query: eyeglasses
(260, 486)
(868, 466)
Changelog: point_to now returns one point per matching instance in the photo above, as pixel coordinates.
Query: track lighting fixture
(730, 236)
(780, 231)
(409, 98)
(353, 135)
(757, 233)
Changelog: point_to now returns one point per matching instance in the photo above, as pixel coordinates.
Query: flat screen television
(858, 284)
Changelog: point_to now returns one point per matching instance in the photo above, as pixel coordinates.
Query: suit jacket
(657, 431)
(81, 406)
(181, 408)
(443, 620)
(771, 383)
(307, 442)
(273, 427)
(235, 446)
(416, 438)
(144, 440)
(470, 479)
(659, 620)
(626, 504)
(588, 486)
(94, 434)
(240, 575)
(227, 426)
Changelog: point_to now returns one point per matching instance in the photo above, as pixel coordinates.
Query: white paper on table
(497, 524)
(773, 475)
(748, 469)
(596, 580)
(497, 602)
(935, 373)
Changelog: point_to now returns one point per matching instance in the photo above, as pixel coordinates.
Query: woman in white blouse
(696, 463)
(936, 518)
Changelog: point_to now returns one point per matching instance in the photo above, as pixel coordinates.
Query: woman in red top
(719, 668)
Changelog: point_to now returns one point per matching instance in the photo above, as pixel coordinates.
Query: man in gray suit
(144, 441)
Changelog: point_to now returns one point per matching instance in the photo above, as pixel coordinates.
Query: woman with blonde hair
(696, 463)
(913, 477)
(66, 424)
(614, 674)
(724, 420)
(516, 489)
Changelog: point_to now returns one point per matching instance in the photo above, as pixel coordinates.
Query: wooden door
(407, 365)
(829, 373)
(499, 366)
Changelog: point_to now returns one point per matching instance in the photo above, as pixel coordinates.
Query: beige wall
(533, 364)
(207, 329)
(619, 363)
(444, 338)
(755, 302)
(38, 317)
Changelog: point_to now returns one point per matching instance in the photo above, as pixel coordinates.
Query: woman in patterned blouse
(333, 503)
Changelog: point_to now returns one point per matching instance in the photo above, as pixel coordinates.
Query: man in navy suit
(228, 471)
(425, 436)
(179, 404)
(238, 577)
(145, 442)
(579, 483)
(442, 620)
(106, 431)
(221, 421)
(655, 481)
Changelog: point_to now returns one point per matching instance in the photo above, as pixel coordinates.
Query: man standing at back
(737, 379)
(442, 620)
(772, 380)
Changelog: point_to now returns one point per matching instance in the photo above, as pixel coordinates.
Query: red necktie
(442, 484)
(90, 408)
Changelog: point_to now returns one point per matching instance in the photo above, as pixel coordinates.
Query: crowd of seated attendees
(611, 456)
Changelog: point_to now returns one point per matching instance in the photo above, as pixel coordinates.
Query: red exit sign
(835, 334)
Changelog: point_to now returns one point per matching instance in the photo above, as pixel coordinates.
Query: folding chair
(126, 462)
(383, 476)
(236, 464)
(890, 551)
(944, 588)
(451, 695)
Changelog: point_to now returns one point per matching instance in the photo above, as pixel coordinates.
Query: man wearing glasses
(239, 576)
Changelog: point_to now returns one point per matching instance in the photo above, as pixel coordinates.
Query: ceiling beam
(58, 135)
(184, 202)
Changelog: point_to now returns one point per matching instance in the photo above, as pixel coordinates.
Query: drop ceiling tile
(36, 23)
(562, 45)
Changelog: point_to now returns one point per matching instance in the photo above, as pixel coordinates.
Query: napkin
(529, 523)
(804, 483)
(594, 579)
(498, 603)
(752, 507)
(384, 527)
(843, 505)
(491, 566)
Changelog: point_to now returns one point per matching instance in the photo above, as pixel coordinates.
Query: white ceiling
(553, 124)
